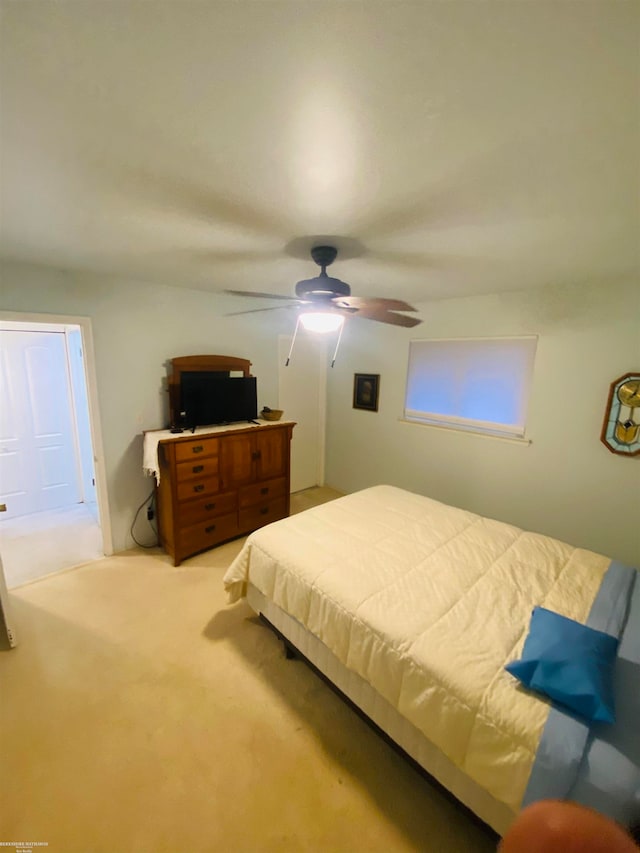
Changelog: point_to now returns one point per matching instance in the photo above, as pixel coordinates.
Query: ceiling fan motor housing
(322, 287)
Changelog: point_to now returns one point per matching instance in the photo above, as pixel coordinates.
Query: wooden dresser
(221, 484)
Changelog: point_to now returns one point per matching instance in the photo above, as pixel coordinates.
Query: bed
(412, 608)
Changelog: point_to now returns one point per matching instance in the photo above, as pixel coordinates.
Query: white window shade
(479, 384)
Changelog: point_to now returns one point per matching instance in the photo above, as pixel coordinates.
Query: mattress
(426, 603)
(411, 741)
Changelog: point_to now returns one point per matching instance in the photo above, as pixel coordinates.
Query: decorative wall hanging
(365, 391)
(621, 426)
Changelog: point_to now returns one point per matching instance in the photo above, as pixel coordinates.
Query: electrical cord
(135, 518)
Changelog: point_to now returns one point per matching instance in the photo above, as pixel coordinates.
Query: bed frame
(395, 729)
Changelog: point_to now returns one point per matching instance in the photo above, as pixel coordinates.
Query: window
(477, 384)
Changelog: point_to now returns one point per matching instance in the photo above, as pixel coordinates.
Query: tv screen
(213, 398)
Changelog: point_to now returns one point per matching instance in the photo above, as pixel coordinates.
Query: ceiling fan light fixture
(325, 301)
(321, 321)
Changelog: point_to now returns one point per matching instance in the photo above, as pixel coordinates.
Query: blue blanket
(599, 765)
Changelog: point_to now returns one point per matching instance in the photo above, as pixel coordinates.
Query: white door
(302, 396)
(38, 449)
(7, 632)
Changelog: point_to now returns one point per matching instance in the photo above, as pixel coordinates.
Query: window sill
(473, 432)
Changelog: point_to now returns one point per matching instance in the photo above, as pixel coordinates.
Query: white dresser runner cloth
(152, 439)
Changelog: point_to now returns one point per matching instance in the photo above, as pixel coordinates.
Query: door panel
(17, 473)
(53, 471)
(237, 465)
(272, 453)
(38, 452)
(301, 393)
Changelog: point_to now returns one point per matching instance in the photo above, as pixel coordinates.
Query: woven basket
(273, 415)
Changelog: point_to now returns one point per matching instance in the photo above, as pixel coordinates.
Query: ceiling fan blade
(324, 294)
(375, 302)
(393, 319)
(261, 295)
(259, 310)
(382, 315)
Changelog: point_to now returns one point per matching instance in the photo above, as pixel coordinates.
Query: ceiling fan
(327, 301)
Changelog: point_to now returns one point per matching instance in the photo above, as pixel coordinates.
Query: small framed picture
(365, 391)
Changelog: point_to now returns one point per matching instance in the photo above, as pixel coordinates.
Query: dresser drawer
(186, 450)
(206, 534)
(196, 468)
(262, 492)
(262, 513)
(195, 488)
(191, 512)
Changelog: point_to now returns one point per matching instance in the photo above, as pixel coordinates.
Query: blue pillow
(570, 663)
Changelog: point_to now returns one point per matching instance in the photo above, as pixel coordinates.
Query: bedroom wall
(565, 483)
(137, 327)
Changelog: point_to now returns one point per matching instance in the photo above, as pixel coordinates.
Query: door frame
(86, 333)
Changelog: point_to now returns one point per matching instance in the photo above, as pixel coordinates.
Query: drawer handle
(255, 455)
(197, 468)
(209, 506)
(210, 528)
(264, 491)
(199, 487)
(198, 449)
(264, 510)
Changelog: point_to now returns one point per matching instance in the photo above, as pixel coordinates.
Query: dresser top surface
(157, 435)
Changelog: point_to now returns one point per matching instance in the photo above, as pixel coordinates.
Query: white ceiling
(446, 148)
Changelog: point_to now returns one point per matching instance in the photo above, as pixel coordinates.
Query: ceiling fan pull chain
(333, 360)
(293, 340)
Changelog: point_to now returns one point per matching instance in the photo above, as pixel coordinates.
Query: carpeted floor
(142, 714)
(37, 545)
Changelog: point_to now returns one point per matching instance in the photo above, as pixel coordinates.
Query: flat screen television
(208, 398)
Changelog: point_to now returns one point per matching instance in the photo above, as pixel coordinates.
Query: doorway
(302, 396)
(50, 448)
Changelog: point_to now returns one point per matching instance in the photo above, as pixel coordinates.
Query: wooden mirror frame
(188, 363)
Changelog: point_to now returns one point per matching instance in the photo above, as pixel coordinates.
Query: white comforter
(427, 603)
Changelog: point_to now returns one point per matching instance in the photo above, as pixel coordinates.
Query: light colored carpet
(33, 546)
(142, 714)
